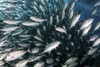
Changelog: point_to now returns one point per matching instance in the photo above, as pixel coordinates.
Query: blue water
(86, 10)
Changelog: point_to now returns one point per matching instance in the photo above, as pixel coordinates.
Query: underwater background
(49, 33)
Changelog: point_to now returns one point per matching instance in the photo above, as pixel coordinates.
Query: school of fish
(47, 33)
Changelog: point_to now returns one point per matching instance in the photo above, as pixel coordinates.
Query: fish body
(12, 1)
(60, 30)
(34, 50)
(63, 15)
(14, 55)
(17, 32)
(70, 13)
(31, 24)
(96, 42)
(22, 63)
(74, 20)
(11, 22)
(35, 9)
(37, 19)
(3, 43)
(39, 64)
(86, 23)
(41, 7)
(86, 30)
(65, 6)
(71, 6)
(57, 19)
(1, 63)
(38, 38)
(95, 10)
(93, 38)
(51, 46)
(71, 60)
(97, 27)
(9, 28)
(3, 55)
(49, 60)
(51, 20)
(91, 51)
(97, 3)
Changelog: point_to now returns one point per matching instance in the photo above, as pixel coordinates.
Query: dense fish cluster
(47, 33)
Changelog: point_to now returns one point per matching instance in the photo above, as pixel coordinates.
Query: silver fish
(71, 60)
(97, 26)
(86, 30)
(14, 55)
(51, 20)
(97, 3)
(30, 24)
(11, 28)
(71, 6)
(3, 55)
(42, 1)
(64, 65)
(41, 7)
(1, 63)
(3, 43)
(3, 8)
(34, 50)
(60, 30)
(38, 44)
(74, 20)
(22, 63)
(39, 64)
(35, 58)
(91, 51)
(39, 33)
(3, 38)
(24, 39)
(63, 15)
(57, 19)
(11, 22)
(13, 1)
(23, 44)
(49, 60)
(6, 33)
(96, 42)
(37, 19)
(38, 38)
(35, 3)
(70, 13)
(8, 11)
(93, 38)
(56, 10)
(36, 9)
(86, 23)
(51, 46)
(25, 35)
(95, 10)
(65, 6)
(17, 32)
(73, 65)
(7, 5)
